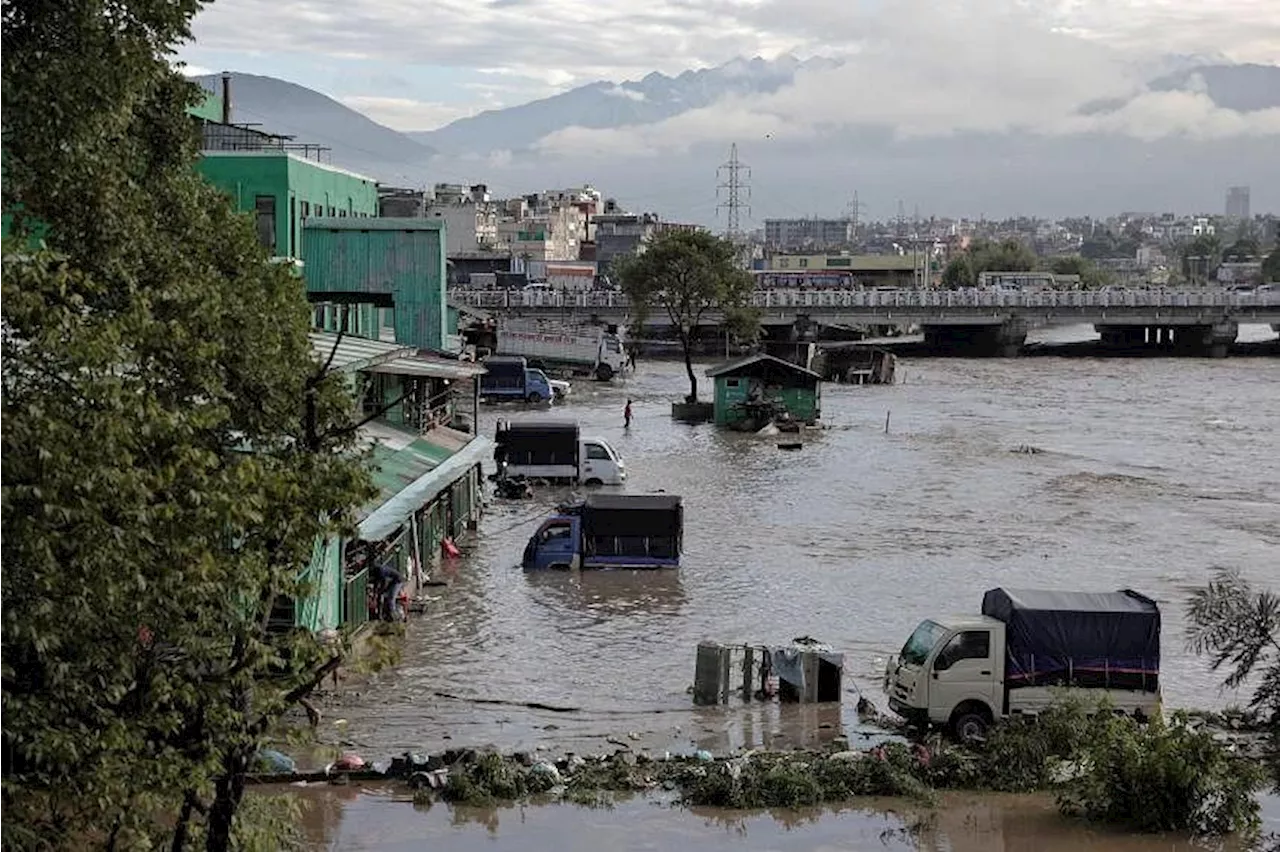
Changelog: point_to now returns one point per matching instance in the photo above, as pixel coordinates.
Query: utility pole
(735, 188)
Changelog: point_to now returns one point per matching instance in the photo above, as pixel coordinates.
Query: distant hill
(605, 104)
(356, 142)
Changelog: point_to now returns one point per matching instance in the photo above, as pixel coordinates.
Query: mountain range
(1001, 171)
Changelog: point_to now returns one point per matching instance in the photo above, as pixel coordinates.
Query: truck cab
(610, 531)
(950, 672)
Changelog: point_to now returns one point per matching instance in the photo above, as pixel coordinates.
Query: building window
(804, 261)
(342, 214)
(293, 227)
(265, 208)
(332, 212)
(306, 210)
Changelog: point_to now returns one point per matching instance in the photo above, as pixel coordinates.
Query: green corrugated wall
(400, 258)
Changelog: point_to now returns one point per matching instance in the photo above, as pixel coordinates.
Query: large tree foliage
(686, 274)
(1091, 277)
(1238, 627)
(984, 256)
(1271, 266)
(171, 451)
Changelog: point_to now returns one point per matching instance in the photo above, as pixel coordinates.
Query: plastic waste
(270, 760)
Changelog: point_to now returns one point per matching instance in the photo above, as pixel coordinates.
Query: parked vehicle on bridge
(584, 349)
(610, 531)
(555, 451)
(511, 379)
(1018, 656)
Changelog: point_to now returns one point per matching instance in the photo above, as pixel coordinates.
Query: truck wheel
(970, 725)
(593, 483)
(604, 372)
(535, 397)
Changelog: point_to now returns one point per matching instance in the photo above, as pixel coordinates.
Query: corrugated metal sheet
(354, 353)
(405, 461)
(400, 258)
(436, 368)
(400, 506)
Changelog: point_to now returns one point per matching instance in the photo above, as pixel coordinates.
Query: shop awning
(434, 461)
(354, 353)
(436, 368)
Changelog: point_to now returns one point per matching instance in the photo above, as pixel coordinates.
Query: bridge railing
(928, 299)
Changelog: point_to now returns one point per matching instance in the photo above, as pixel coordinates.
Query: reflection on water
(1152, 472)
(381, 819)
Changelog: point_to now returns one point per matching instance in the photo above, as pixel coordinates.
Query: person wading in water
(626, 416)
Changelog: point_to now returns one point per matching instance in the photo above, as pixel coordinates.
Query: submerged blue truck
(610, 531)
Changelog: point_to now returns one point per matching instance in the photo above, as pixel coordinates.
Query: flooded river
(351, 819)
(1151, 472)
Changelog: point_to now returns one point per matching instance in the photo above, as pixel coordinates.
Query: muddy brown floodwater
(352, 819)
(1151, 473)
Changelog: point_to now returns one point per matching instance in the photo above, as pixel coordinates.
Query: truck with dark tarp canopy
(611, 531)
(1028, 649)
(1098, 639)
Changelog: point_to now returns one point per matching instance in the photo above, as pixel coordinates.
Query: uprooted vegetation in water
(1110, 769)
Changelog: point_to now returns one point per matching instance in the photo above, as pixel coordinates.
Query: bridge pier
(1001, 339)
(1212, 340)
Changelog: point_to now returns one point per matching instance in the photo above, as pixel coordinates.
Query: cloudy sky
(954, 64)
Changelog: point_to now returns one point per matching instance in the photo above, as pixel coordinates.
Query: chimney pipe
(226, 97)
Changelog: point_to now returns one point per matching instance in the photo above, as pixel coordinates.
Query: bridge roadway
(1199, 319)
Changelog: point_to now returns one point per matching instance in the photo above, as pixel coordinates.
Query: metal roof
(355, 353)
(372, 223)
(411, 470)
(436, 368)
(747, 360)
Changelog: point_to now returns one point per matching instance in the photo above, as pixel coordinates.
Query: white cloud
(406, 113)
(194, 70)
(620, 92)
(940, 68)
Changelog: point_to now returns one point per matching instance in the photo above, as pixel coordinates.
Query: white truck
(584, 349)
(1026, 650)
(555, 451)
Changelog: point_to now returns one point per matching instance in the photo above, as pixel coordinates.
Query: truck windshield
(917, 649)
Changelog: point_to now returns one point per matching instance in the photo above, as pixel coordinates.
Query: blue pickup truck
(610, 531)
(511, 379)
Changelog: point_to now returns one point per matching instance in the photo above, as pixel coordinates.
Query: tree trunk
(228, 793)
(688, 366)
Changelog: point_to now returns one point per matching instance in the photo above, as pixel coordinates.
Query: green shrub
(1161, 777)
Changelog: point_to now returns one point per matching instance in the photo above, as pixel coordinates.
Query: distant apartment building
(469, 215)
(1238, 202)
(553, 235)
(787, 234)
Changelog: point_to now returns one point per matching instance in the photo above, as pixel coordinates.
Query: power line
(734, 179)
(854, 212)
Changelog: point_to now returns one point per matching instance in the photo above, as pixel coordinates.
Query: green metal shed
(746, 385)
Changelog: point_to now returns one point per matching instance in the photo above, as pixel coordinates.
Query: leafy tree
(1239, 628)
(983, 256)
(1243, 249)
(1107, 244)
(172, 452)
(1200, 257)
(1090, 275)
(687, 274)
(1271, 266)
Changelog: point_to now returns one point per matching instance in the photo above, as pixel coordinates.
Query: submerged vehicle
(610, 531)
(584, 349)
(511, 379)
(555, 451)
(1019, 655)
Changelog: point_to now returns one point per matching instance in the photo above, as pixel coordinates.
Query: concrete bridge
(1201, 320)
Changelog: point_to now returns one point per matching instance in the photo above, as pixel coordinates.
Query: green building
(426, 471)
(284, 190)
(751, 390)
(380, 273)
